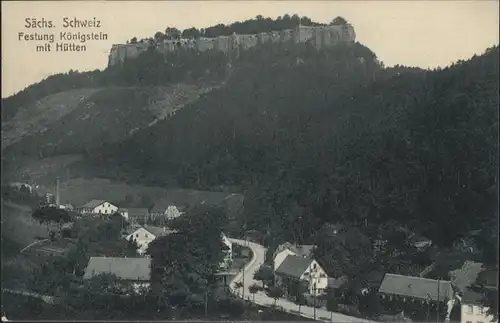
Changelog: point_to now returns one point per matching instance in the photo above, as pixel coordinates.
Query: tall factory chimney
(58, 201)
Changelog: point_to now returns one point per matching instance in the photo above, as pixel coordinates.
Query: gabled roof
(416, 287)
(158, 231)
(300, 250)
(123, 268)
(131, 229)
(138, 213)
(93, 204)
(294, 266)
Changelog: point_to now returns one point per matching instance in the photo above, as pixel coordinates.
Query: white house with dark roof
(303, 269)
(134, 271)
(144, 235)
(98, 207)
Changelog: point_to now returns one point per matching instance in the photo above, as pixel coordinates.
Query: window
(145, 235)
(470, 309)
(481, 311)
(468, 322)
(137, 235)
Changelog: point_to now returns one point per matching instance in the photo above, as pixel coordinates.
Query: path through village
(261, 298)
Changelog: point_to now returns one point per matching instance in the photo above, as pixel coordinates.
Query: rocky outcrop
(320, 37)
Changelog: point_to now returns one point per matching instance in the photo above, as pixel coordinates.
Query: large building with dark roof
(133, 271)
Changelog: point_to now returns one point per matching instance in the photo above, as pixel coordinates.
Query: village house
(472, 309)
(95, 207)
(301, 269)
(135, 272)
(289, 249)
(144, 235)
(135, 215)
(167, 210)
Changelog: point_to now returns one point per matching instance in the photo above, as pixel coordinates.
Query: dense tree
(184, 263)
(339, 21)
(275, 292)
(335, 139)
(52, 215)
(254, 289)
(264, 274)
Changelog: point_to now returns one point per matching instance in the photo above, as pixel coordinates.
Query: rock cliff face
(322, 36)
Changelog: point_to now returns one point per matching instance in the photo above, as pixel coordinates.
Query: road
(261, 298)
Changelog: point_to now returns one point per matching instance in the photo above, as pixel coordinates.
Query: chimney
(57, 194)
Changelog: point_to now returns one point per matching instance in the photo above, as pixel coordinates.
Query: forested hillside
(332, 136)
(309, 136)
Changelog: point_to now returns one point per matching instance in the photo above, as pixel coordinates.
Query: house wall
(124, 214)
(105, 208)
(474, 314)
(317, 277)
(229, 253)
(143, 238)
(280, 257)
(172, 212)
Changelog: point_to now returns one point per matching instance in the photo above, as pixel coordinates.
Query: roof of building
(123, 268)
(416, 287)
(472, 297)
(465, 276)
(93, 204)
(293, 266)
(158, 231)
(138, 213)
(300, 250)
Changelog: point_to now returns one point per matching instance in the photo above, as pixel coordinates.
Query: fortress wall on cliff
(320, 37)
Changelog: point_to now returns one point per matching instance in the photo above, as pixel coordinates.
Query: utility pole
(429, 308)
(58, 201)
(243, 287)
(206, 303)
(437, 305)
(314, 297)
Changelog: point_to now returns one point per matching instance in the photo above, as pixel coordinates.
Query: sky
(426, 34)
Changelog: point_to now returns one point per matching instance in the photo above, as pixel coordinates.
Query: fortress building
(320, 37)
